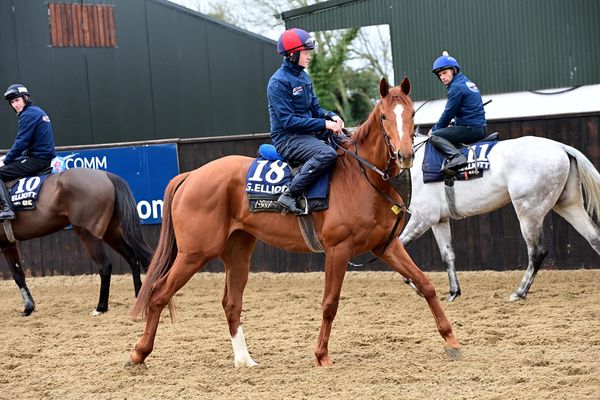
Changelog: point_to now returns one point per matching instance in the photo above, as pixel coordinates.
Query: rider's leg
(15, 170)
(455, 159)
(316, 156)
(444, 140)
(6, 211)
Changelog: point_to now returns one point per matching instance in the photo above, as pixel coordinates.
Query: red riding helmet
(295, 39)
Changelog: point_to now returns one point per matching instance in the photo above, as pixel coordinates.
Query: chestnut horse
(206, 216)
(100, 207)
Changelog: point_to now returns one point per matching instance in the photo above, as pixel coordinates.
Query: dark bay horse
(206, 216)
(100, 207)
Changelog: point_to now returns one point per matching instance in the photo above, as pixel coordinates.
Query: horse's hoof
(453, 354)
(516, 297)
(248, 363)
(130, 365)
(452, 296)
(27, 312)
(324, 362)
(95, 313)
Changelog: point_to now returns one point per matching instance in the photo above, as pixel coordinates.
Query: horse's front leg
(420, 221)
(11, 253)
(443, 237)
(336, 264)
(397, 257)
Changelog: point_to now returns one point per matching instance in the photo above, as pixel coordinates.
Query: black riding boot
(455, 159)
(6, 212)
(290, 202)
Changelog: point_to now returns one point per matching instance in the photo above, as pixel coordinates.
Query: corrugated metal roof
(503, 45)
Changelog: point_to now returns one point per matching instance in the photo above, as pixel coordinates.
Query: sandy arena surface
(384, 343)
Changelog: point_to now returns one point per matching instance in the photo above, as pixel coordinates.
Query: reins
(334, 141)
(398, 209)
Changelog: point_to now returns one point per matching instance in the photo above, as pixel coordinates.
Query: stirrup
(7, 214)
(290, 203)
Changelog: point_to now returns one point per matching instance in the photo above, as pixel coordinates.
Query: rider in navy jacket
(34, 138)
(298, 122)
(298, 113)
(465, 106)
(33, 148)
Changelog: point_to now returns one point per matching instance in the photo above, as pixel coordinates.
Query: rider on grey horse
(465, 106)
(33, 148)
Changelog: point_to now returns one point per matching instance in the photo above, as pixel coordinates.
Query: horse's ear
(405, 85)
(384, 87)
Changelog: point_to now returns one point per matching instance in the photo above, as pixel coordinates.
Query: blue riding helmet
(445, 61)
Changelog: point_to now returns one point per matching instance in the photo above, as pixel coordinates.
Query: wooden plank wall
(87, 25)
(491, 241)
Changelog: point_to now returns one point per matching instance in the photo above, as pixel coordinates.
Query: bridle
(401, 182)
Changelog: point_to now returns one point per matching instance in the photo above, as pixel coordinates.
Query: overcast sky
(235, 5)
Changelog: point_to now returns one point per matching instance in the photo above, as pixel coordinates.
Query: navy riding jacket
(464, 105)
(293, 106)
(34, 138)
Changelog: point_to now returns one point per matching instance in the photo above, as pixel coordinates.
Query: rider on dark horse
(298, 122)
(33, 149)
(465, 106)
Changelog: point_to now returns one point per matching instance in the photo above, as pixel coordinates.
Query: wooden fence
(491, 241)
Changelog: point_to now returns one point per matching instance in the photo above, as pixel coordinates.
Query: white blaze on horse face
(398, 111)
(241, 357)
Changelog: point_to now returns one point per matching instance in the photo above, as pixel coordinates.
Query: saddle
(269, 176)
(476, 154)
(24, 191)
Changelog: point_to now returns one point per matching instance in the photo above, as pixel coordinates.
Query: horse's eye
(383, 116)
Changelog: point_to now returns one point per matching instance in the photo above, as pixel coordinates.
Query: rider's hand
(340, 121)
(334, 126)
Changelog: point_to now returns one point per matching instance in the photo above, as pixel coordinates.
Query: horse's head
(396, 112)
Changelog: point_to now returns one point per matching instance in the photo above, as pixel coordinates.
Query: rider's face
(446, 76)
(18, 104)
(304, 58)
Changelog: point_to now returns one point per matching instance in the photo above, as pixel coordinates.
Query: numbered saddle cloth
(267, 179)
(24, 192)
(477, 158)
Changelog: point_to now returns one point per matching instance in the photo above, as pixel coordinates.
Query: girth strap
(7, 225)
(451, 198)
(309, 233)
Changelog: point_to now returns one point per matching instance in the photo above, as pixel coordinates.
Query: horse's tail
(590, 180)
(165, 253)
(126, 211)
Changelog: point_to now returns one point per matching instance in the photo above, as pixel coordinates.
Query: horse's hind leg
(531, 223)
(570, 207)
(397, 258)
(236, 258)
(184, 267)
(581, 221)
(443, 237)
(115, 240)
(97, 252)
(11, 252)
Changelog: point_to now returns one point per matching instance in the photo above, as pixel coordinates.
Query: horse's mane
(363, 129)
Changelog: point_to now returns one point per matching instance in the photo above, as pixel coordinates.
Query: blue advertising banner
(147, 169)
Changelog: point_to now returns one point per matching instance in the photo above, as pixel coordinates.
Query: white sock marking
(241, 356)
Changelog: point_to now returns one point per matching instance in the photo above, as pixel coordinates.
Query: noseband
(392, 155)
